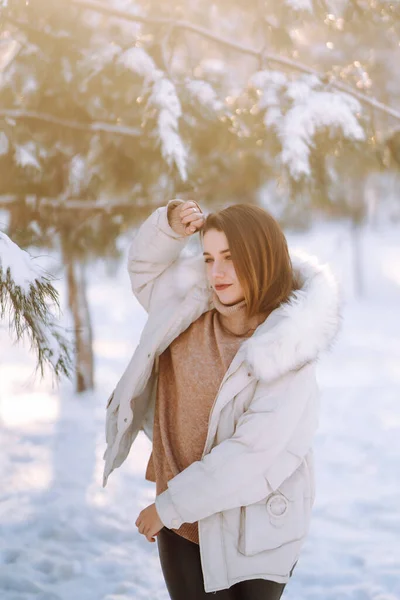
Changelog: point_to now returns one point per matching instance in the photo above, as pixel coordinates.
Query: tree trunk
(78, 304)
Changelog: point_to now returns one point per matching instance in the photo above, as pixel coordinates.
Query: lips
(222, 287)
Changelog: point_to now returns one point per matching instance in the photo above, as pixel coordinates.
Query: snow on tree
(162, 96)
(143, 76)
(309, 108)
(25, 294)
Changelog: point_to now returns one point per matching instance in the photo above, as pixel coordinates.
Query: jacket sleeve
(155, 247)
(233, 474)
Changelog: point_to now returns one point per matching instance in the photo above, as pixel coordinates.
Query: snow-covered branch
(16, 113)
(25, 291)
(267, 57)
(310, 108)
(164, 99)
(62, 203)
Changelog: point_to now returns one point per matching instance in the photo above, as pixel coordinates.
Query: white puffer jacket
(253, 490)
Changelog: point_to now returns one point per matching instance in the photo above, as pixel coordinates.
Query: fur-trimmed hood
(298, 330)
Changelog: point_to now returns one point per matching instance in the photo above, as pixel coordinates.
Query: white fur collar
(298, 330)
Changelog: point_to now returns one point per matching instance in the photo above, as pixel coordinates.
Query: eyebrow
(222, 252)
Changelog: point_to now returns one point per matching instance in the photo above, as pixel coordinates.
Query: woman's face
(220, 269)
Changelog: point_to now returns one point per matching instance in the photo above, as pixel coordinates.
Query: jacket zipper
(209, 421)
(224, 380)
(202, 558)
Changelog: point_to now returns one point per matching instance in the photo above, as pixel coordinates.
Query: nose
(217, 271)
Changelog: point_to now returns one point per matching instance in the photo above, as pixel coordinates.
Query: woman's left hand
(149, 523)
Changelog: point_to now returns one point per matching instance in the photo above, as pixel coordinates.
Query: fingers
(189, 204)
(141, 525)
(143, 530)
(191, 217)
(188, 209)
(194, 226)
(151, 537)
(197, 221)
(146, 532)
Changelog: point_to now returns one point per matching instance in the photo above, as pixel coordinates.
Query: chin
(227, 298)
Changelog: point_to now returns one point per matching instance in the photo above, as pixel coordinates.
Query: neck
(233, 317)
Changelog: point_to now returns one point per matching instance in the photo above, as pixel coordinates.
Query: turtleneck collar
(234, 318)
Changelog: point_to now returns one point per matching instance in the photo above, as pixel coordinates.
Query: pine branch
(15, 113)
(29, 313)
(260, 54)
(60, 204)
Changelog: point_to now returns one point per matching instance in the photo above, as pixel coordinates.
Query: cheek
(232, 274)
(209, 274)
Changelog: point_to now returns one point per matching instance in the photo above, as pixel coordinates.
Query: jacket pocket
(280, 518)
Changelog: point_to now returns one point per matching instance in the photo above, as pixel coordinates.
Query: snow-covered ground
(64, 537)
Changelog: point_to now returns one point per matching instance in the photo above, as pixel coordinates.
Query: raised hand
(186, 218)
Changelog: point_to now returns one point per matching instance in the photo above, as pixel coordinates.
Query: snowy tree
(110, 108)
(263, 88)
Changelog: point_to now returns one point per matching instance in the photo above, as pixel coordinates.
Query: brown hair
(259, 253)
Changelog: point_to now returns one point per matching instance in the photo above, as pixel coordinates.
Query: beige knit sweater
(190, 372)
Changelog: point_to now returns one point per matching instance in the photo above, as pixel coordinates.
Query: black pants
(181, 566)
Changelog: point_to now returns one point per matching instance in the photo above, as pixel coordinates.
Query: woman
(223, 383)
